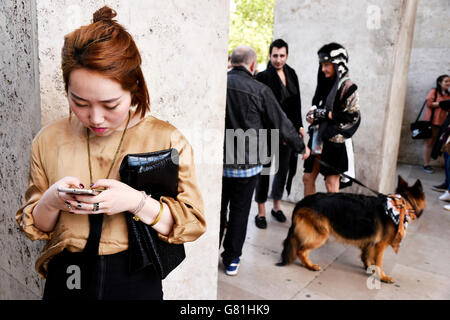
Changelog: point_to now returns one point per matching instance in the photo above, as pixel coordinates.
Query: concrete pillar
(429, 59)
(378, 36)
(19, 122)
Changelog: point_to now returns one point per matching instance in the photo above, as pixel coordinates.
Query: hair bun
(104, 14)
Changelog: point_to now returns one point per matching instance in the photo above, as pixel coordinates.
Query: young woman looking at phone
(108, 101)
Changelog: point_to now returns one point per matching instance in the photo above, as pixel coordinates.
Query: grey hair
(243, 55)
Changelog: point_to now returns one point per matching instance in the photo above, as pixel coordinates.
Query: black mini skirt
(334, 154)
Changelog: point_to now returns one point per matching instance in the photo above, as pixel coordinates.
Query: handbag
(156, 173)
(421, 129)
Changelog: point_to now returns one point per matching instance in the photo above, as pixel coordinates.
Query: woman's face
(98, 102)
(328, 69)
(445, 84)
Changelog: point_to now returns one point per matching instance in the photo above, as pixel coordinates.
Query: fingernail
(81, 186)
(91, 185)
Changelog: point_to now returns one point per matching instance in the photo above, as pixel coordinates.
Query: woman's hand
(56, 200)
(118, 197)
(46, 212)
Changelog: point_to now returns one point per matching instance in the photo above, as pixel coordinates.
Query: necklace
(115, 155)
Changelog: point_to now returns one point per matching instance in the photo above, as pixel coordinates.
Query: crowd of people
(269, 102)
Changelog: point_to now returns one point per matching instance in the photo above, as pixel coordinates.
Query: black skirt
(334, 154)
(83, 277)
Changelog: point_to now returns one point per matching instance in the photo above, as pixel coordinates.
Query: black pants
(237, 193)
(78, 276)
(279, 180)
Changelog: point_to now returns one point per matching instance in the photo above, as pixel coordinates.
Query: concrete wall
(377, 35)
(19, 122)
(429, 59)
(184, 49)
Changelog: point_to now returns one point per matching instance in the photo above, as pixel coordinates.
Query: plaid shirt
(242, 173)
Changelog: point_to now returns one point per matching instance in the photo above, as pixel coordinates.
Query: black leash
(350, 178)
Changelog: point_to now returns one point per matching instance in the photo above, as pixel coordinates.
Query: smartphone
(79, 191)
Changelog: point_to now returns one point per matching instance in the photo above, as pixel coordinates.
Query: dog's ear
(402, 184)
(418, 186)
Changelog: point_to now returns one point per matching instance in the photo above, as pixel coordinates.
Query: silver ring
(96, 206)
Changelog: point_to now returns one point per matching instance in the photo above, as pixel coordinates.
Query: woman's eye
(80, 105)
(111, 107)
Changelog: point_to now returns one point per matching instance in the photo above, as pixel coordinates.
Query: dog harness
(396, 209)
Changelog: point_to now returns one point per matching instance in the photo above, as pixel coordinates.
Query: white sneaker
(447, 207)
(445, 196)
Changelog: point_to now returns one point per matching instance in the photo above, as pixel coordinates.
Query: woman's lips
(98, 130)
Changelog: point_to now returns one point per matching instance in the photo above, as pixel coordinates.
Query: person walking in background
(250, 108)
(334, 117)
(437, 116)
(283, 81)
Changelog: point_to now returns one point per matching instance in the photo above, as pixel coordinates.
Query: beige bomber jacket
(60, 150)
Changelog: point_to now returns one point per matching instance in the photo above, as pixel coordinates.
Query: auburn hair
(106, 47)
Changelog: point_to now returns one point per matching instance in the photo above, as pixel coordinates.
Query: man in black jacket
(283, 81)
(251, 108)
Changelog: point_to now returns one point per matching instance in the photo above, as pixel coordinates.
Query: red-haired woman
(108, 101)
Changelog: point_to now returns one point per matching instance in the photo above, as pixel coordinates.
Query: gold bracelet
(159, 215)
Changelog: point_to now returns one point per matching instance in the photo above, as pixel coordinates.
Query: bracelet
(140, 206)
(159, 214)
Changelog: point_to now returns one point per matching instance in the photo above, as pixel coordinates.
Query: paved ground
(420, 269)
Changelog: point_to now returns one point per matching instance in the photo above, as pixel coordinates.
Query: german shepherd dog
(354, 219)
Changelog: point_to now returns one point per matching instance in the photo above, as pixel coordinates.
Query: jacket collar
(286, 68)
(241, 69)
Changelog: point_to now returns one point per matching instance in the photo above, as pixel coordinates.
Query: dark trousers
(279, 180)
(237, 193)
(77, 276)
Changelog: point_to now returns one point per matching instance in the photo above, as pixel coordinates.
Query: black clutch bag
(156, 173)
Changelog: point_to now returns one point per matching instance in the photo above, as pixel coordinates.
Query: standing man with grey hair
(250, 109)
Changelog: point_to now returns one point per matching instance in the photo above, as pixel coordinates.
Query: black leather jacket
(251, 106)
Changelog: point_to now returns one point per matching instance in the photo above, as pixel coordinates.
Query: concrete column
(429, 59)
(19, 122)
(378, 36)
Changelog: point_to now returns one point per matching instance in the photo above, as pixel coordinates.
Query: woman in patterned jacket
(334, 117)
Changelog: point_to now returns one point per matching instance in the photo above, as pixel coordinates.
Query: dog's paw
(314, 267)
(387, 279)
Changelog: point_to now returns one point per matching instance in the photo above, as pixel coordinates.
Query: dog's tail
(290, 247)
